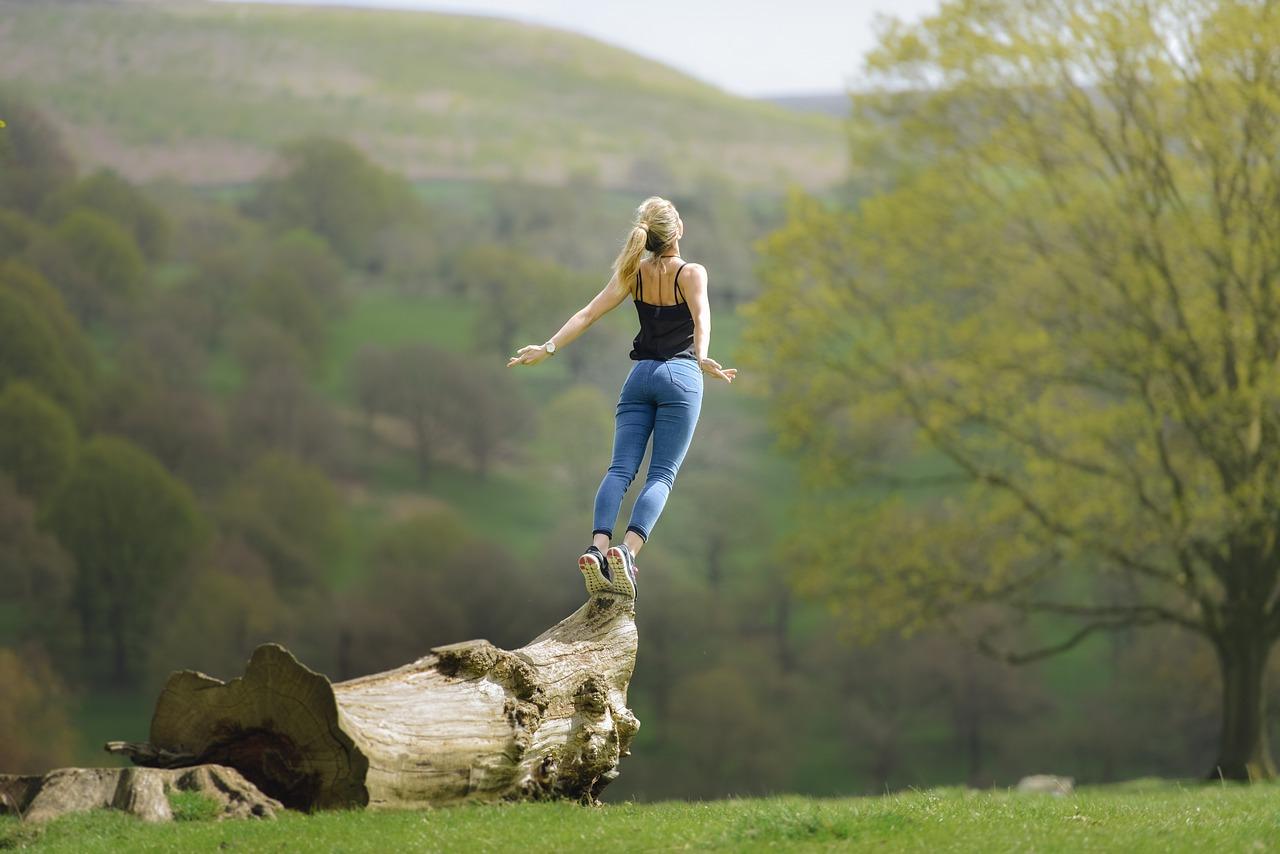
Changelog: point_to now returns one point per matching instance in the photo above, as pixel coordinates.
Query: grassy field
(205, 91)
(1142, 816)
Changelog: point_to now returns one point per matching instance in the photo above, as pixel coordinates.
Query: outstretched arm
(609, 298)
(695, 291)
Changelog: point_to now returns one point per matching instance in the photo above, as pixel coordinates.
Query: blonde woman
(662, 395)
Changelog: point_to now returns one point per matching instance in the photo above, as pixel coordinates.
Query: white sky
(749, 47)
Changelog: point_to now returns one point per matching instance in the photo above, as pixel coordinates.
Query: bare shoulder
(696, 272)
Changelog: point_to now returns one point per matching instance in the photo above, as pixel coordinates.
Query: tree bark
(1243, 752)
(467, 722)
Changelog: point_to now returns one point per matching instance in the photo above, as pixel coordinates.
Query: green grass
(1144, 817)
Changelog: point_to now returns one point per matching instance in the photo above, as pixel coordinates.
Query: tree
(276, 408)
(107, 193)
(414, 384)
(291, 514)
(21, 279)
(519, 293)
(37, 576)
(180, 426)
(329, 187)
(429, 580)
(37, 440)
(34, 730)
(17, 232)
(131, 527)
(298, 290)
(480, 406)
(31, 350)
(94, 262)
(228, 606)
(1051, 334)
(33, 162)
(575, 435)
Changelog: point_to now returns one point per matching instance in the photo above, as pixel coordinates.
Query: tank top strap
(679, 292)
(639, 286)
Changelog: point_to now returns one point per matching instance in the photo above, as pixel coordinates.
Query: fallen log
(470, 721)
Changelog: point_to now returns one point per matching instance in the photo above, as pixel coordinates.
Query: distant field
(205, 91)
(1150, 816)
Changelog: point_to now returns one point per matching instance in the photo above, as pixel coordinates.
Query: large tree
(1054, 313)
(328, 186)
(131, 527)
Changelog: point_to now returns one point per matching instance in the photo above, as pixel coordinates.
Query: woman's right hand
(712, 367)
(529, 354)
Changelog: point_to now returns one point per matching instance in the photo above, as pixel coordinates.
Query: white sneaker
(594, 571)
(622, 569)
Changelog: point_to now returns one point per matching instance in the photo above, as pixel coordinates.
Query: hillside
(204, 91)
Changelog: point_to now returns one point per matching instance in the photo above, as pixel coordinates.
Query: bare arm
(609, 298)
(694, 289)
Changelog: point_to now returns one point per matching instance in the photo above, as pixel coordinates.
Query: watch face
(551, 346)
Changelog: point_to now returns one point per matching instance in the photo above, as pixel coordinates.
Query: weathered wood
(470, 721)
(141, 791)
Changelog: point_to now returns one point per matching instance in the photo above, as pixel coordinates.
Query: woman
(661, 396)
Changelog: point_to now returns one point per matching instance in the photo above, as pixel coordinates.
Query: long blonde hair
(656, 226)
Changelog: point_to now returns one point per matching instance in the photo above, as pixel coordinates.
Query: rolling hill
(204, 91)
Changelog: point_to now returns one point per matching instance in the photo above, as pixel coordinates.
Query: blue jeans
(662, 398)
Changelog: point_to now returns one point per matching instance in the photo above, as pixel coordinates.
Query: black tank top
(666, 331)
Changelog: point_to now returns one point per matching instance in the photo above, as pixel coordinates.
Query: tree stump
(141, 791)
(470, 721)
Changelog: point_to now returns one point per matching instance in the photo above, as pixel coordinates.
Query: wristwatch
(550, 347)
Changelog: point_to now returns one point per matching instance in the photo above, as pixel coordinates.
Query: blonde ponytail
(627, 263)
(654, 229)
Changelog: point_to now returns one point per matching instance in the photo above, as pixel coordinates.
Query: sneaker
(622, 569)
(595, 571)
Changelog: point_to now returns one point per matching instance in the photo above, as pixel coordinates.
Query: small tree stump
(141, 791)
(470, 721)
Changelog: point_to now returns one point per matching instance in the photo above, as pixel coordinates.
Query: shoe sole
(618, 569)
(591, 574)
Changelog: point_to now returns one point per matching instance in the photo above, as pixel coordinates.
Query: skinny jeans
(662, 399)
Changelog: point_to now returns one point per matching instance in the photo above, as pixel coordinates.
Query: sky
(747, 47)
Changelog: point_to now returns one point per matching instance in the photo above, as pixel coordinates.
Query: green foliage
(34, 731)
(575, 436)
(17, 232)
(329, 187)
(37, 576)
(132, 528)
(291, 514)
(299, 290)
(33, 162)
(519, 294)
(36, 289)
(31, 350)
(431, 580)
(94, 262)
(37, 439)
(1082, 337)
(228, 606)
(107, 193)
(1060, 296)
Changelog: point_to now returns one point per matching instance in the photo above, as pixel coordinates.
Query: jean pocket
(683, 379)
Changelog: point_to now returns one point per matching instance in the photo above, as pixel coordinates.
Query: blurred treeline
(279, 412)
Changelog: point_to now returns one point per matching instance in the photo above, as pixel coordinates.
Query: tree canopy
(1036, 365)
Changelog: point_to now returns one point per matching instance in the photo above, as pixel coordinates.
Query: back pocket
(682, 378)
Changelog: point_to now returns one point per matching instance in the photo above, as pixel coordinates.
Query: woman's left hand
(529, 354)
(712, 367)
